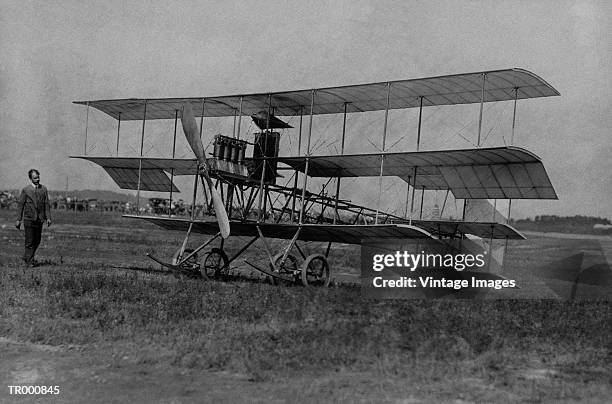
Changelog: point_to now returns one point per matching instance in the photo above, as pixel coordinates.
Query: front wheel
(214, 264)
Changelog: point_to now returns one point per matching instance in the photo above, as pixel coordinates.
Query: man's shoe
(31, 263)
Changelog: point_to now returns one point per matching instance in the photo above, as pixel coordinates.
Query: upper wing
(500, 85)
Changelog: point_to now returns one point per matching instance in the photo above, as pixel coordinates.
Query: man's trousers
(33, 232)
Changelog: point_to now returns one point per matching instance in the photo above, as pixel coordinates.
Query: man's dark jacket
(34, 204)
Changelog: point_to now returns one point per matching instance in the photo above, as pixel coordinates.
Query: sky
(57, 52)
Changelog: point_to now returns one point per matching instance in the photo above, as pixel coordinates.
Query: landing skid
(271, 274)
(178, 269)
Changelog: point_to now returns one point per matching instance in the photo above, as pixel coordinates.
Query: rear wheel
(315, 271)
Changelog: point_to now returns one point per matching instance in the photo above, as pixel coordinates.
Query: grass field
(142, 335)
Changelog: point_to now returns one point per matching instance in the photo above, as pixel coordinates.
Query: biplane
(241, 178)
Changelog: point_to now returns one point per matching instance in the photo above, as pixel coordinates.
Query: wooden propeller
(190, 127)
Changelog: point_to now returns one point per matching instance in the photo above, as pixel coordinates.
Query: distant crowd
(8, 200)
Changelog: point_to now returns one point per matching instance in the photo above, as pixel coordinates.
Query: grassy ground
(292, 343)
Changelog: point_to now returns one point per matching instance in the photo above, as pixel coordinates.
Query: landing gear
(287, 270)
(283, 267)
(190, 268)
(215, 264)
(315, 271)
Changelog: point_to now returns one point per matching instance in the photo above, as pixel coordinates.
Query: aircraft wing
(466, 88)
(154, 177)
(496, 173)
(485, 230)
(346, 234)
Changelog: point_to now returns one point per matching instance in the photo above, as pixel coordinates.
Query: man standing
(34, 209)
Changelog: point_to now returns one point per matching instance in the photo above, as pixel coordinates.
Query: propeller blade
(190, 127)
(220, 213)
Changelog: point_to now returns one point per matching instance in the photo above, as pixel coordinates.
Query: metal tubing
(86, 126)
(266, 247)
(195, 186)
(304, 191)
(444, 204)
(263, 167)
(118, 131)
(239, 118)
(509, 207)
(172, 170)
(293, 240)
(310, 124)
(418, 146)
(422, 197)
(297, 176)
(195, 190)
(234, 127)
(252, 195)
(514, 115)
(419, 128)
(243, 249)
(186, 239)
(407, 197)
(297, 247)
(293, 195)
(144, 119)
(300, 131)
(327, 249)
(194, 252)
(382, 163)
(282, 212)
(240, 199)
(512, 142)
(413, 191)
(484, 77)
(384, 140)
(312, 96)
(382, 156)
(266, 199)
(341, 153)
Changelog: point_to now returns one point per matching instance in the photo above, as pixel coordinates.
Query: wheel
(214, 264)
(189, 268)
(315, 271)
(287, 269)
